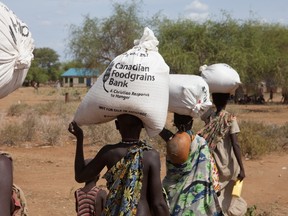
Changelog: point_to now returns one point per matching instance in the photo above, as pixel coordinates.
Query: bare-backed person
(133, 176)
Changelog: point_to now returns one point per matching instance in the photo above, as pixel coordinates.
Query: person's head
(220, 99)
(96, 178)
(183, 122)
(129, 126)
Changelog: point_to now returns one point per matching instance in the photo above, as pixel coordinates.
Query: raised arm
(86, 173)
(79, 163)
(157, 201)
(237, 151)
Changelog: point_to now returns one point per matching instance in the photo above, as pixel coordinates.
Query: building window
(66, 79)
(81, 80)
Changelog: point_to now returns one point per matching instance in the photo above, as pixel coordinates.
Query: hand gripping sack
(136, 82)
(16, 51)
(188, 95)
(220, 77)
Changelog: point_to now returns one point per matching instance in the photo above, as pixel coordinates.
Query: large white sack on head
(188, 95)
(220, 77)
(136, 82)
(16, 51)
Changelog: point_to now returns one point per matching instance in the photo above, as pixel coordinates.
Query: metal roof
(81, 72)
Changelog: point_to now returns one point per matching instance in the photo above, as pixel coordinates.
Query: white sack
(136, 82)
(220, 77)
(188, 95)
(16, 51)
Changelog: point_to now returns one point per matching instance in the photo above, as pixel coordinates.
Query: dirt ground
(46, 173)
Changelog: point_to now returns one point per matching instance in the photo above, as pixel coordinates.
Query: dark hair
(183, 122)
(220, 99)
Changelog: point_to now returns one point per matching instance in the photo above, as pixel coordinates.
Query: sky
(49, 20)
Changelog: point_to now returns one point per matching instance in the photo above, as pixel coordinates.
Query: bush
(10, 134)
(17, 109)
(257, 139)
(28, 127)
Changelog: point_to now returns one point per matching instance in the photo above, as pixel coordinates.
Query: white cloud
(197, 16)
(196, 10)
(196, 5)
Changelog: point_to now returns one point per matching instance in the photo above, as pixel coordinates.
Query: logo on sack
(123, 74)
(17, 26)
(204, 90)
(107, 74)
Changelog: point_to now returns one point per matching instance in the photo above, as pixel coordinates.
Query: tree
(256, 50)
(98, 41)
(45, 66)
(177, 45)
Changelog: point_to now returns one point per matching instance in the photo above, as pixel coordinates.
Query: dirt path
(46, 176)
(46, 173)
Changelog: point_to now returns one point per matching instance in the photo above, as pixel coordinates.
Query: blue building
(79, 77)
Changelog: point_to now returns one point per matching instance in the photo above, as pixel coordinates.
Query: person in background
(12, 199)
(133, 176)
(90, 199)
(270, 95)
(220, 132)
(188, 182)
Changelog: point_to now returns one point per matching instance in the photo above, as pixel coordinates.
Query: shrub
(28, 127)
(51, 130)
(257, 139)
(10, 134)
(14, 133)
(17, 109)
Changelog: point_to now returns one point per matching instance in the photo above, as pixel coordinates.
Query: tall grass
(257, 139)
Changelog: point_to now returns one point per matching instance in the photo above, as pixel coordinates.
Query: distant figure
(260, 99)
(270, 95)
(90, 199)
(58, 85)
(35, 86)
(261, 91)
(133, 176)
(284, 98)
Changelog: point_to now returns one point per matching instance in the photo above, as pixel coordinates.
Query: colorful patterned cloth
(124, 182)
(189, 185)
(217, 133)
(214, 132)
(20, 204)
(217, 128)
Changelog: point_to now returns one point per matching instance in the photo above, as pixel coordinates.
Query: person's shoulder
(5, 160)
(77, 190)
(5, 155)
(151, 154)
(108, 147)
